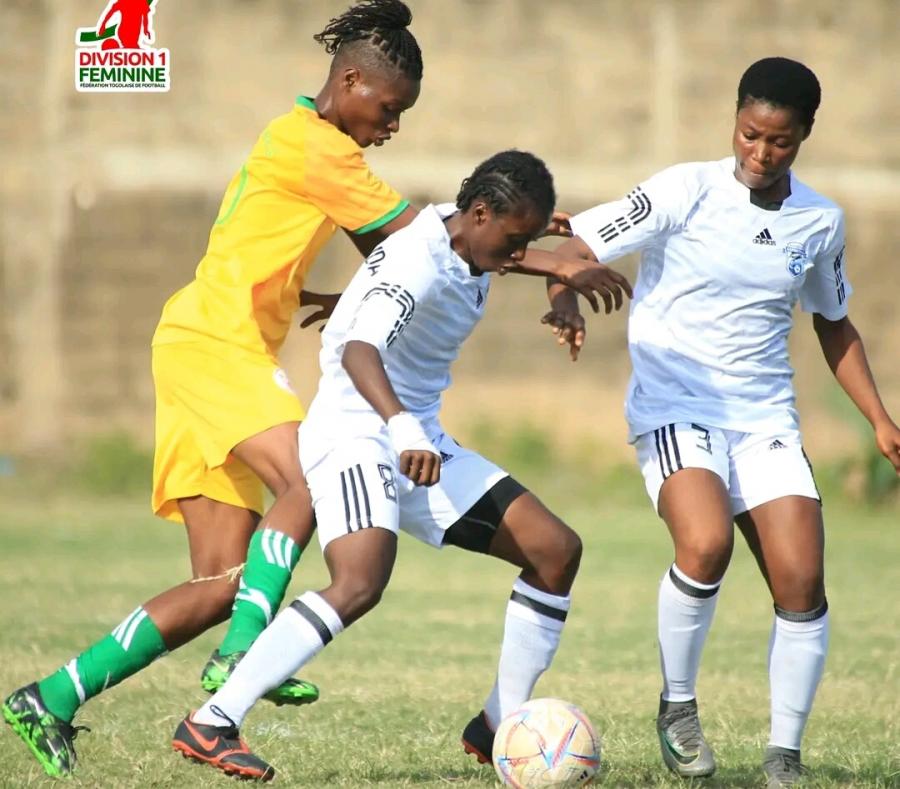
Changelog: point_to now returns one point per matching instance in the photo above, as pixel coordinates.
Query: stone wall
(107, 199)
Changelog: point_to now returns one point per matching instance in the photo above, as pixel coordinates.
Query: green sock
(134, 644)
(271, 558)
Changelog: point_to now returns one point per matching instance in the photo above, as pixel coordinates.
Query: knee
(800, 593)
(568, 553)
(557, 562)
(705, 560)
(351, 598)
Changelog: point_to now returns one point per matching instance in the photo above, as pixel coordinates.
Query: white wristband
(406, 433)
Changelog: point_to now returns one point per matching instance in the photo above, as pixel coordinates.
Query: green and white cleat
(684, 748)
(49, 738)
(291, 691)
(782, 767)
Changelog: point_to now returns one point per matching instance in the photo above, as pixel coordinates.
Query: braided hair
(506, 180)
(380, 25)
(781, 82)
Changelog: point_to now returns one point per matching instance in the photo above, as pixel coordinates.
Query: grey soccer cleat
(684, 748)
(782, 767)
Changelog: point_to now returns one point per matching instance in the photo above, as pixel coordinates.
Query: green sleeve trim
(382, 221)
(306, 101)
(234, 200)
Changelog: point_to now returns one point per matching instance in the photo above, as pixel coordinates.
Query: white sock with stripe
(686, 609)
(797, 649)
(534, 624)
(294, 638)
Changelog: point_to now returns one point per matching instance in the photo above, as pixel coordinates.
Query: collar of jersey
(306, 101)
(743, 192)
(435, 214)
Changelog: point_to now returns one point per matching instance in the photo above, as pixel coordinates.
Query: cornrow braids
(783, 83)
(506, 180)
(381, 24)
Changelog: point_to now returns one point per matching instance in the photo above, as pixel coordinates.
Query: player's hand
(420, 460)
(421, 466)
(887, 437)
(569, 329)
(590, 278)
(559, 225)
(326, 302)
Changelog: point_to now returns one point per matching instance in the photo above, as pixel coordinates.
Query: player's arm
(366, 242)
(585, 275)
(846, 356)
(419, 460)
(325, 304)
(824, 293)
(383, 314)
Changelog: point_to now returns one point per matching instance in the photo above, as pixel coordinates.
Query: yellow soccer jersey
(303, 179)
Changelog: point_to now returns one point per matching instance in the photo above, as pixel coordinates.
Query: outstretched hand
(887, 437)
(590, 278)
(559, 225)
(569, 328)
(326, 302)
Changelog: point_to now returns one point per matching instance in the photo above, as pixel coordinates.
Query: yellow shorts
(210, 397)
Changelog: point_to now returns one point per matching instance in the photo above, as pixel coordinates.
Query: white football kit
(416, 301)
(710, 319)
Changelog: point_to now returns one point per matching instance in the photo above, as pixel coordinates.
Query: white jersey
(717, 283)
(416, 301)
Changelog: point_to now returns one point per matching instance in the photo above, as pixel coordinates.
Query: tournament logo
(796, 258)
(117, 54)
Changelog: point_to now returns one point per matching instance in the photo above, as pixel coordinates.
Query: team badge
(796, 258)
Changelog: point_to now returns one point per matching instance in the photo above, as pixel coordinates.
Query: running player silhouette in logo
(134, 20)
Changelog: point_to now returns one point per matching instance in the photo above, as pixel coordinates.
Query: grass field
(400, 685)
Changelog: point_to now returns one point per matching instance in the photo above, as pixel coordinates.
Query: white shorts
(755, 467)
(359, 485)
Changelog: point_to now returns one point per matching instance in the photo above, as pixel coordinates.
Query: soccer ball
(546, 743)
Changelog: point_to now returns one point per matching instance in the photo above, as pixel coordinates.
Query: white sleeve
(826, 288)
(406, 276)
(648, 213)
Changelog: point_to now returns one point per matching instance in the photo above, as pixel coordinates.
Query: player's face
(496, 242)
(371, 104)
(766, 142)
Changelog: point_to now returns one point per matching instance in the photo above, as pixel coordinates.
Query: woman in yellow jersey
(226, 419)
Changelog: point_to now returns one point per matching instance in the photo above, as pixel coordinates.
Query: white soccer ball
(546, 743)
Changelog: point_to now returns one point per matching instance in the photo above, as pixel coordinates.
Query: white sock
(294, 638)
(797, 651)
(534, 623)
(686, 609)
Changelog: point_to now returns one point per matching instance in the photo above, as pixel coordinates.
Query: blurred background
(107, 199)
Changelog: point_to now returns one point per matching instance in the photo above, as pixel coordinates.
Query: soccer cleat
(478, 739)
(221, 747)
(782, 767)
(292, 691)
(50, 738)
(684, 749)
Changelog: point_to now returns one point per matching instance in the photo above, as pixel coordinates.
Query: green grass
(400, 685)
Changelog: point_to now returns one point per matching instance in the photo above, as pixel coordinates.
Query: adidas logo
(479, 299)
(776, 444)
(764, 237)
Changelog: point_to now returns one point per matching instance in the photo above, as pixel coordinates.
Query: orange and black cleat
(221, 747)
(478, 739)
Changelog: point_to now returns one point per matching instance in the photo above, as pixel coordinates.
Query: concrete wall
(107, 199)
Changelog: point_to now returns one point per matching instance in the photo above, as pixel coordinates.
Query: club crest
(796, 258)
